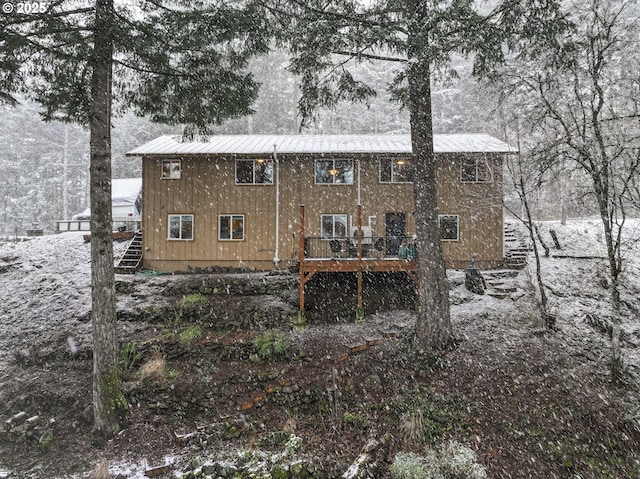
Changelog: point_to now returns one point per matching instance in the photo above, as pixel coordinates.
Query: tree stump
(474, 281)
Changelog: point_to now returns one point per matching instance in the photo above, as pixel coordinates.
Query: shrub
(408, 465)
(130, 355)
(424, 415)
(270, 344)
(46, 440)
(102, 470)
(292, 445)
(193, 301)
(423, 423)
(458, 460)
(191, 334)
(154, 370)
(451, 461)
(356, 420)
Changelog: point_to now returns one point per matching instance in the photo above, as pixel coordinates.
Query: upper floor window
(171, 169)
(180, 227)
(254, 172)
(231, 227)
(333, 172)
(396, 170)
(449, 227)
(475, 170)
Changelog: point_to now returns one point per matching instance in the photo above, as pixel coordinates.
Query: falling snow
(46, 300)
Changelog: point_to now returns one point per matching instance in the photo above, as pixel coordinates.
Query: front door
(395, 230)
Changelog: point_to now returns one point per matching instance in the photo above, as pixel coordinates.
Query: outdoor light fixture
(400, 162)
(260, 160)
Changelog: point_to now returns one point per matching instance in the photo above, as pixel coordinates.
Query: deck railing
(373, 247)
(120, 223)
(362, 253)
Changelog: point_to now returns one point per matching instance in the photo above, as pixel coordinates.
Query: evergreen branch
(33, 18)
(371, 56)
(161, 6)
(55, 50)
(362, 19)
(168, 72)
(41, 34)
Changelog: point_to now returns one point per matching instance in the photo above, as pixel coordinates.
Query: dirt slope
(532, 405)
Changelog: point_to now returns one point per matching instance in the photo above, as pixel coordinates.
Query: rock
(474, 281)
(87, 414)
(15, 420)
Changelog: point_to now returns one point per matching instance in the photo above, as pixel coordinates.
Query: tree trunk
(433, 327)
(615, 268)
(106, 390)
(65, 174)
(547, 319)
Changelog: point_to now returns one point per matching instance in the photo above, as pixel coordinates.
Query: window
(180, 227)
(171, 169)
(396, 170)
(231, 227)
(333, 172)
(448, 227)
(334, 226)
(254, 172)
(475, 170)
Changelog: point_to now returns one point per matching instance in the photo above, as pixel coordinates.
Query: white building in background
(126, 208)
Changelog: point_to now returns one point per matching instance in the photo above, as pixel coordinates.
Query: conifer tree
(326, 36)
(176, 62)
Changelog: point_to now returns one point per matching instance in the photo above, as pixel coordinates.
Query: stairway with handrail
(131, 259)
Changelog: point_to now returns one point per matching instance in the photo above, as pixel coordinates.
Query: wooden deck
(358, 255)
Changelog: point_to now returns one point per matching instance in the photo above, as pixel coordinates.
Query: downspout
(276, 256)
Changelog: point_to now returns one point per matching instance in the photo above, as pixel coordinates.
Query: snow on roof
(316, 144)
(125, 190)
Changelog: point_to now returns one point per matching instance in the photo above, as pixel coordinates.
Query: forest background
(45, 165)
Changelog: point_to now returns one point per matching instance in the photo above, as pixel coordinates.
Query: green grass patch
(271, 345)
(192, 301)
(191, 334)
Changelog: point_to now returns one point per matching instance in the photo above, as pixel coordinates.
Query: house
(235, 201)
(126, 205)
(126, 198)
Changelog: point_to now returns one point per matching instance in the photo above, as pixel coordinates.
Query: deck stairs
(131, 259)
(516, 245)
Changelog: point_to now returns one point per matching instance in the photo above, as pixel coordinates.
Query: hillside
(213, 370)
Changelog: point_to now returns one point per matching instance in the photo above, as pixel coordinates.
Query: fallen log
(368, 463)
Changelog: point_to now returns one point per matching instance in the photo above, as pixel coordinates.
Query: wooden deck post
(360, 308)
(302, 319)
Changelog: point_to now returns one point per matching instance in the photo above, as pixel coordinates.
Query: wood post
(301, 258)
(310, 266)
(360, 308)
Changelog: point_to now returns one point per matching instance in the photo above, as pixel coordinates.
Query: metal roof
(316, 144)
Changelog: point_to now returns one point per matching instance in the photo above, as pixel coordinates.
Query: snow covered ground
(46, 287)
(577, 282)
(45, 293)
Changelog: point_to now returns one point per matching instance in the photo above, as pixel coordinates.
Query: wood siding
(207, 189)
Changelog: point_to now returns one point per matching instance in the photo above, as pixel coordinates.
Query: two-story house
(236, 200)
